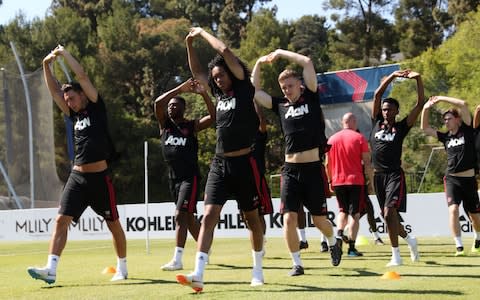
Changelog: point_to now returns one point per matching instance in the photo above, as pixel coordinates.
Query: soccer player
(303, 127)
(180, 150)
(346, 159)
(89, 183)
(460, 182)
(386, 141)
(233, 170)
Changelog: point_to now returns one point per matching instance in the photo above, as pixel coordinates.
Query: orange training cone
(391, 275)
(109, 270)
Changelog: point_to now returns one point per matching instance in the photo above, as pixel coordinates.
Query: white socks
(178, 254)
(122, 265)
(332, 240)
(297, 261)
(396, 254)
(201, 259)
(257, 259)
(458, 241)
(303, 236)
(52, 262)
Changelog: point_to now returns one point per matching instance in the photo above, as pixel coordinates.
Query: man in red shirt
(348, 155)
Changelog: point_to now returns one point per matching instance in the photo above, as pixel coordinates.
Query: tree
(310, 38)
(90, 9)
(451, 13)
(231, 25)
(417, 27)
(362, 31)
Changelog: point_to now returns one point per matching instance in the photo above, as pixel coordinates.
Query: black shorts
(303, 184)
(235, 176)
(462, 188)
(185, 193)
(391, 190)
(350, 198)
(89, 189)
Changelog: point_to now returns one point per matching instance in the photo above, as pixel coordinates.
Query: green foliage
(417, 27)
(361, 35)
(310, 38)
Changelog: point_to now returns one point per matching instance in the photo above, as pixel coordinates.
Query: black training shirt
(236, 119)
(90, 133)
(460, 149)
(386, 144)
(180, 149)
(302, 122)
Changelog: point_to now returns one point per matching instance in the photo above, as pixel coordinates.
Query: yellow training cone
(391, 275)
(109, 270)
(361, 241)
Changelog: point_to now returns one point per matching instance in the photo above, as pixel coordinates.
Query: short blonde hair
(288, 73)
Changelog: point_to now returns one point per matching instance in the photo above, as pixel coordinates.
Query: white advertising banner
(427, 215)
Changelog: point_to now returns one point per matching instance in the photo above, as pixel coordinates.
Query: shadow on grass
(130, 281)
(287, 288)
(307, 288)
(225, 266)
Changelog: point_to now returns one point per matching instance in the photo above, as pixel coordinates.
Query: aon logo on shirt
(456, 142)
(82, 124)
(176, 141)
(386, 137)
(295, 112)
(226, 105)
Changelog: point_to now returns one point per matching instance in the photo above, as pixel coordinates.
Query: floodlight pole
(30, 126)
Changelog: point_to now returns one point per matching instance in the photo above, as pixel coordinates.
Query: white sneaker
(395, 262)
(257, 277)
(42, 274)
(119, 276)
(172, 266)
(413, 246)
(190, 280)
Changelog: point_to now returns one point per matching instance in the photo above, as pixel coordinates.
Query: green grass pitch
(439, 275)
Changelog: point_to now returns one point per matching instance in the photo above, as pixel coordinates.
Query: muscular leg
(193, 226)
(325, 226)
(210, 220)
(119, 240)
(290, 221)
(453, 215)
(475, 221)
(393, 225)
(353, 224)
(255, 227)
(60, 233)
(342, 221)
(185, 221)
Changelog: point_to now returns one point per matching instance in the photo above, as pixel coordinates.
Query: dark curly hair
(392, 101)
(219, 61)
